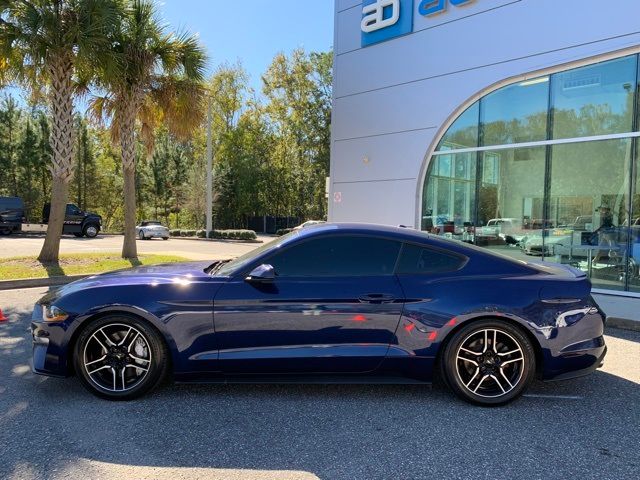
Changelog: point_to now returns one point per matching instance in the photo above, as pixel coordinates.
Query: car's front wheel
(489, 363)
(141, 235)
(91, 231)
(120, 357)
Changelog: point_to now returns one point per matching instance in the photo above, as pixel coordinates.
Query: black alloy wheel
(120, 358)
(489, 363)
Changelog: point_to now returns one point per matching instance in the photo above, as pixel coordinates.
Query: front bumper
(49, 345)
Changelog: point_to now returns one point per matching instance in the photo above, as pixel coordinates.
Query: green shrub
(283, 231)
(233, 234)
(201, 234)
(174, 233)
(191, 233)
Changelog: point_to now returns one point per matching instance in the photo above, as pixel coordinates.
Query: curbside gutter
(623, 323)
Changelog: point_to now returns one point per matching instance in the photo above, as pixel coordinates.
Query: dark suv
(77, 222)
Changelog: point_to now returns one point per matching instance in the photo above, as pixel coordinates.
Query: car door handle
(377, 298)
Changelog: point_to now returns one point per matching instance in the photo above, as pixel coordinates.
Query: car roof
(400, 233)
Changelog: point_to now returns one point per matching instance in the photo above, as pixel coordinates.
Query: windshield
(148, 224)
(244, 260)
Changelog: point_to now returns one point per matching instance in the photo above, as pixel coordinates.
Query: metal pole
(209, 169)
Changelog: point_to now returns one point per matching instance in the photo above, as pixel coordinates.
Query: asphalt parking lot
(24, 245)
(51, 428)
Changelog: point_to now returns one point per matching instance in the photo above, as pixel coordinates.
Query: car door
(333, 307)
(73, 219)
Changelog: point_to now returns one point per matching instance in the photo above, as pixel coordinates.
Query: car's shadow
(311, 431)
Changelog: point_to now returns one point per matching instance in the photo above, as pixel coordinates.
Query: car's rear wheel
(120, 357)
(489, 363)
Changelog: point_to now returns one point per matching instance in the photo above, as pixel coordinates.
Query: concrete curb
(623, 323)
(224, 240)
(40, 282)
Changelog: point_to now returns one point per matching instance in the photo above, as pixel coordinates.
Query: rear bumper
(594, 365)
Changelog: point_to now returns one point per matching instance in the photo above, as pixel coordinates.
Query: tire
(141, 235)
(165, 238)
(472, 369)
(5, 231)
(91, 230)
(101, 365)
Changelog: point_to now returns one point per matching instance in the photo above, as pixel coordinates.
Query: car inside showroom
(523, 141)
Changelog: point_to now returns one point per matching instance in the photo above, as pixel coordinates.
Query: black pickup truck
(76, 221)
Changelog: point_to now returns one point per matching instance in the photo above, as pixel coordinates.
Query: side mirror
(265, 273)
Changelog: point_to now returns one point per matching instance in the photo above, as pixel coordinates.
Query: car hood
(181, 273)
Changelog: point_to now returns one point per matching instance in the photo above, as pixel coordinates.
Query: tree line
(138, 148)
(259, 166)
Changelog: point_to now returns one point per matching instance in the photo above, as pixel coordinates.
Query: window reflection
(567, 203)
(594, 100)
(464, 131)
(510, 201)
(516, 114)
(448, 200)
(589, 208)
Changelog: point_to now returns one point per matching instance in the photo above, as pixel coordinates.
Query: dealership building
(511, 124)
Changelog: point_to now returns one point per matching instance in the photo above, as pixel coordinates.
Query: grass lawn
(16, 268)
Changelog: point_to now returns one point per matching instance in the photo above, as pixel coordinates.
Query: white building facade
(511, 124)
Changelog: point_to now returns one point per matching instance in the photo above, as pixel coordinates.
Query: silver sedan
(152, 229)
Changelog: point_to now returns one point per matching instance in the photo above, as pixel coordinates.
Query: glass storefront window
(516, 114)
(589, 208)
(633, 268)
(464, 131)
(449, 198)
(594, 100)
(509, 203)
(568, 203)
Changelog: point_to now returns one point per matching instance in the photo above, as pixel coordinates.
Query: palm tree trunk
(127, 144)
(61, 98)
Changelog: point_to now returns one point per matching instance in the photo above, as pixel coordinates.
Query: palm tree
(160, 80)
(43, 45)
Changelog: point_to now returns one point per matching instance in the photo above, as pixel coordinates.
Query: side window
(338, 256)
(72, 209)
(415, 259)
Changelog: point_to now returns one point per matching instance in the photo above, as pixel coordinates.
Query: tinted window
(416, 259)
(338, 256)
(72, 210)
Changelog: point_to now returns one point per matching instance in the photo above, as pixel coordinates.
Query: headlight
(51, 313)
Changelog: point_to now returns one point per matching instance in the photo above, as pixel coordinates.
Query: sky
(253, 31)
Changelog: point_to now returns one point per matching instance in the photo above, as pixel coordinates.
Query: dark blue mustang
(331, 303)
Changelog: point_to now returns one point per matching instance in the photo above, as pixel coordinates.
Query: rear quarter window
(415, 260)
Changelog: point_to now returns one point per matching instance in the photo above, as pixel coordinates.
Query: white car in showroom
(152, 229)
